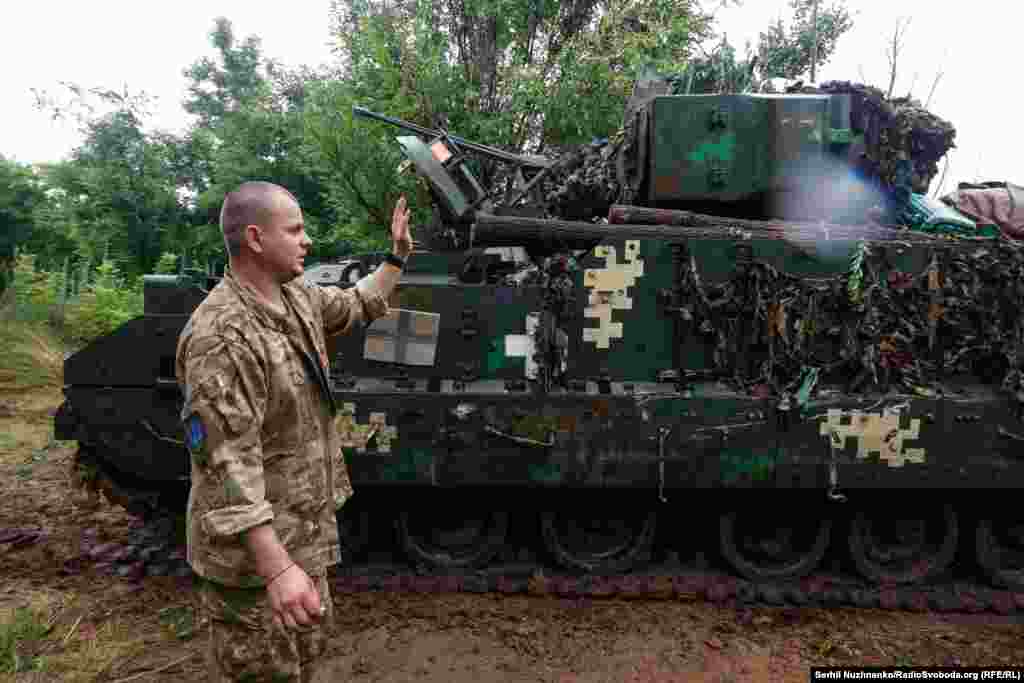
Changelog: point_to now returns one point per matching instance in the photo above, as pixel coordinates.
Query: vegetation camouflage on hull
(742, 368)
(875, 136)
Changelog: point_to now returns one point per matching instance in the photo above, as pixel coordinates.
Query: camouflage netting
(893, 130)
(584, 185)
(870, 327)
(585, 182)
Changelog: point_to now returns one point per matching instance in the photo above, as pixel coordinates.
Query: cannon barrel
(625, 215)
(490, 230)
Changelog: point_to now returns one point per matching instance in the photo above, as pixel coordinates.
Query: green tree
(235, 81)
(786, 51)
(118, 189)
(21, 194)
(57, 227)
(522, 74)
(357, 166)
(249, 126)
(530, 77)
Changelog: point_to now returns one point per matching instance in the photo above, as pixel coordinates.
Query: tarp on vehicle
(996, 203)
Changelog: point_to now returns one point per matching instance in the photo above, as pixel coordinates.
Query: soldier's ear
(252, 236)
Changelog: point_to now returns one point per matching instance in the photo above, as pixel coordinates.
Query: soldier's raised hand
(400, 237)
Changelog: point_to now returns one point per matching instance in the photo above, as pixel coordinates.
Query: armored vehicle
(691, 335)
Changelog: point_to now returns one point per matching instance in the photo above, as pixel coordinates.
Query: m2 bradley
(736, 325)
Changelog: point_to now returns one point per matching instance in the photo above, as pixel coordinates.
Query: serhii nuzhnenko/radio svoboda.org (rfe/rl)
(915, 674)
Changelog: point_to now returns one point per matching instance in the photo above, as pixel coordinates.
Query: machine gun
(454, 140)
(442, 162)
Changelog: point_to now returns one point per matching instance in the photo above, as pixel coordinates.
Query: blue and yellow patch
(195, 437)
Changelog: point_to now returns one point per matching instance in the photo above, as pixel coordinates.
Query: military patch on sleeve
(195, 437)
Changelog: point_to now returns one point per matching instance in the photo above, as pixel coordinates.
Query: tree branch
(371, 210)
(938, 75)
(893, 53)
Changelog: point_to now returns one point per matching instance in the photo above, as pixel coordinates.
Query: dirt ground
(61, 620)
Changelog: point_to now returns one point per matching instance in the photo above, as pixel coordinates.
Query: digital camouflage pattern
(246, 645)
(258, 420)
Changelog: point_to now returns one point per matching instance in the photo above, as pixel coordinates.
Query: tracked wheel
(999, 549)
(765, 546)
(605, 540)
(91, 475)
(903, 545)
(448, 537)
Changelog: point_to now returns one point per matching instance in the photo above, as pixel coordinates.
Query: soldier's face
(284, 241)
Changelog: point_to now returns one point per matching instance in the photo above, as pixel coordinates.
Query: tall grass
(32, 357)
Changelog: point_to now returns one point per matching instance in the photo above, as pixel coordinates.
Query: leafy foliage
(220, 89)
(785, 52)
(33, 292)
(168, 263)
(532, 77)
(510, 73)
(108, 303)
(249, 127)
(102, 305)
(115, 194)
(20, 194)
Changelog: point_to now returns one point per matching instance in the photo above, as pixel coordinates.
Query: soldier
(267, 470)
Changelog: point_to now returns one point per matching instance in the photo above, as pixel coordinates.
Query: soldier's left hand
(400, 236)
(294, 599)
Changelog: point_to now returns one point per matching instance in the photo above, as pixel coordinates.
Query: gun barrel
(491, 230)
(367, 114)
(486, 150)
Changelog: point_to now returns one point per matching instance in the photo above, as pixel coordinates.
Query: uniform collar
(280, 320)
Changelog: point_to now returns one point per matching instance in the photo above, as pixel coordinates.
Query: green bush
(104, 305)
(168, 264)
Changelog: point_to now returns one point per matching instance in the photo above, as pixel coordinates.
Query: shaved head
(252, 203)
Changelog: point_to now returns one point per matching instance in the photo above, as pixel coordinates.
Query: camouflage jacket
(259, 423)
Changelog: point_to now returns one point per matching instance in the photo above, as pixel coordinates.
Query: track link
(154, 548)
(152, 551)
(816, 590)
(695, 586)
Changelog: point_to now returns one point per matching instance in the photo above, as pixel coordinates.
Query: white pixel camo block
(876, 433)
(607, 288)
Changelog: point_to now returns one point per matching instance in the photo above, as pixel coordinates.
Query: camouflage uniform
(259, 423)
(246, 645)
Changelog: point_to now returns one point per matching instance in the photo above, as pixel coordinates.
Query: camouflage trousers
(246, 645)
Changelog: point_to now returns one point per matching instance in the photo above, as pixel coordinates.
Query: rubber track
(817, 590)
(147, 554)
(151, 550)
